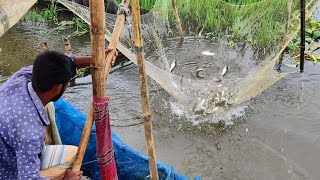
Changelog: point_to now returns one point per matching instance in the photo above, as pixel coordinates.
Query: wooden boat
(11, 11)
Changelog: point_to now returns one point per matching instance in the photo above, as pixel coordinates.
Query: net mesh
(228, 53)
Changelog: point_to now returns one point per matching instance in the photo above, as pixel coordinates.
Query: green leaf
(316, 34)
(317, 57)
(292, 46)
(313, 24)
(313, 57)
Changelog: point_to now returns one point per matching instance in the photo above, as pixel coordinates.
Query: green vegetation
(83, 72)
(262, 24)
(312, 43)
(144, 4)
(48, 14)
(34, 15)
(51, 14)
(242, 2)
(259, 22)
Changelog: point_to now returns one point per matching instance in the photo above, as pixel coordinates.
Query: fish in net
(210, 73)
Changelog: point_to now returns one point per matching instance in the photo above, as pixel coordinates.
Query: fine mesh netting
(228, 53)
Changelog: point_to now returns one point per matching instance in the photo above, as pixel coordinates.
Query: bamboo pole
(303, 35)
(67, 46)
(135, 8)
(45, 46)
(97, 16)
(116, 35)
(178, 22)
(89, 122)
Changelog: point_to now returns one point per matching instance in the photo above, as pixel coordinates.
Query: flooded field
(276, 137)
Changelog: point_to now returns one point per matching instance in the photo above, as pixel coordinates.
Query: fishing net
(228, 53)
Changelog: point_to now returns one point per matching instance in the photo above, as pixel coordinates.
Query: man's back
(22, 128)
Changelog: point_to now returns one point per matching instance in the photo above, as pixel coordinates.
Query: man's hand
(114, 52)
(72, 175)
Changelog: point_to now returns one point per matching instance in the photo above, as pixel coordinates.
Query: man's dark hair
(51, 68)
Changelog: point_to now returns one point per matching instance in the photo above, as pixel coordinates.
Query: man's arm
(85, 61)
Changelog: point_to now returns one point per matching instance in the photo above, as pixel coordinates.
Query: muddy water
(277, 139)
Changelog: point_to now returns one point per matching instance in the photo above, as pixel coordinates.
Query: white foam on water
(175, 109)
(228, 117)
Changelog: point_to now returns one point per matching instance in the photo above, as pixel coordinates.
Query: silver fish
(208, 53)
(173, 65)
(224, 71)
(198, 73)
(223, 93)
(199, 108)
(216, 79)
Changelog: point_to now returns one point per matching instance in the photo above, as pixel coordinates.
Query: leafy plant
(312, 42)
(51, 13)
(34, 15)
(81, 27)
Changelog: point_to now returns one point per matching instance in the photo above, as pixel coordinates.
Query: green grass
(144, 4)
(34, 15)
(48, 14)
(242, 2)
(51, 14)
(260, 22)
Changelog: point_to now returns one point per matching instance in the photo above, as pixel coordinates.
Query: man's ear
(57, 88)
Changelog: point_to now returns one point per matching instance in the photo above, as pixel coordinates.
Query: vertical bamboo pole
(303, 35)
(177, 20)
(97, 16)
(67, 46)
(45, 46)
(116, 35)
(135, 8)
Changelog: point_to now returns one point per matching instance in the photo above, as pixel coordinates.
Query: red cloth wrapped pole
(106, 160)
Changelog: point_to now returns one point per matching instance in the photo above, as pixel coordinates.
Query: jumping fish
(198, 73)
(199, 108)
(224, 71)
(173, 65)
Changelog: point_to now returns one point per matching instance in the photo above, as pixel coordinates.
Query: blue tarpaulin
(131, 164)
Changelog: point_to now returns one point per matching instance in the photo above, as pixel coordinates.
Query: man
(23, 118)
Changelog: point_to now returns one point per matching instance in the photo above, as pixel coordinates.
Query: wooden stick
(303, 35)
(97, 13)
(177, 20)
(135, 8)
(45, 46)
(67, 46)
(89, 122)
(116, 35)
